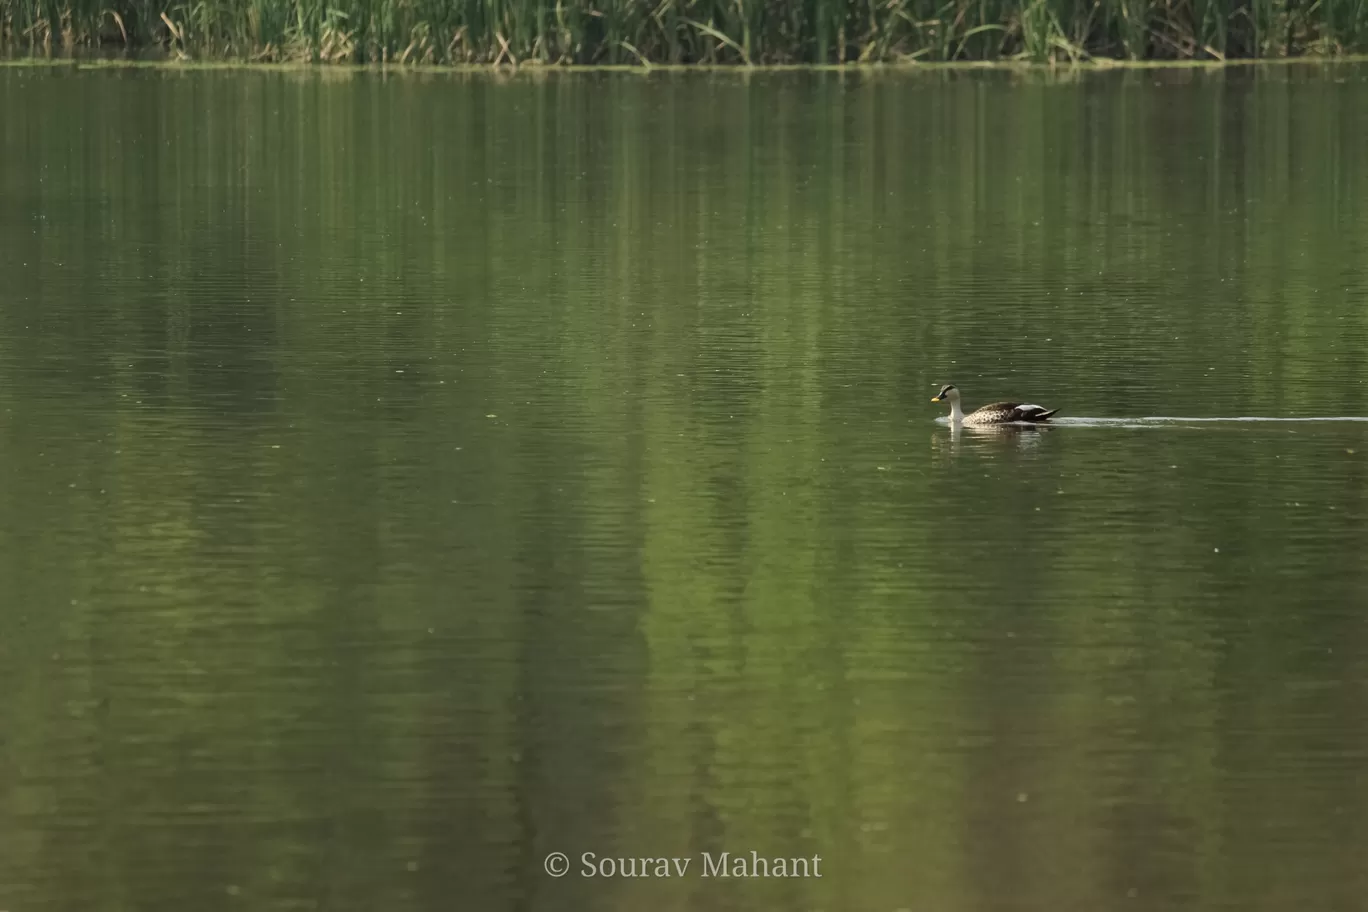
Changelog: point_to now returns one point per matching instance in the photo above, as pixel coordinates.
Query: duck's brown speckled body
(996, 413)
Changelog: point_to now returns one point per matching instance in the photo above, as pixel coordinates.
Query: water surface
(406, 477)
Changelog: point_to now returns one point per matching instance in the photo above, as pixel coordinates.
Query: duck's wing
(1015, 411)
(1031, 413)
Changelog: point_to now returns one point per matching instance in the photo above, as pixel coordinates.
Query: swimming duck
(997, 413)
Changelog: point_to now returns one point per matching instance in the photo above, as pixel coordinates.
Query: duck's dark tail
(1038, 415)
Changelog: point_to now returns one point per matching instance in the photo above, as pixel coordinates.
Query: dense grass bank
(691, 31)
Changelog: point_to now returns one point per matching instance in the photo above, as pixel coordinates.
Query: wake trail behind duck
(1161, 420)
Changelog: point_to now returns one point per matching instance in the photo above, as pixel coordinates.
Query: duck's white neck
(956, 416)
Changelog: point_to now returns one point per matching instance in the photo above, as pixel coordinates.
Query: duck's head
(947, 392)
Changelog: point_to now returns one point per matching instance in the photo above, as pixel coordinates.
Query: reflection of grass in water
(515, 32)
(798, 647)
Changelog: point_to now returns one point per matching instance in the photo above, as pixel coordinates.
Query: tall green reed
(646, 32)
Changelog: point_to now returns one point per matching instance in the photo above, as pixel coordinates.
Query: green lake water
(407, 477)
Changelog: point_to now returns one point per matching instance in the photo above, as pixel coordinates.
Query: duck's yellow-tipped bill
(935, 398)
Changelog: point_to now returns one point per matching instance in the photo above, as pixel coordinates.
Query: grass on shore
(675, 32)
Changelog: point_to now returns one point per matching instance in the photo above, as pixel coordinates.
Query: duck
(996, 413)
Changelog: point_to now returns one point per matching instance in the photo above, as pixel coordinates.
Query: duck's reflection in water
(1013, 437)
